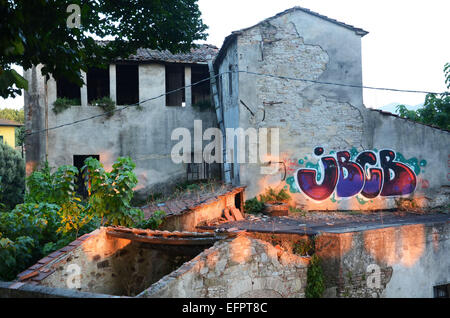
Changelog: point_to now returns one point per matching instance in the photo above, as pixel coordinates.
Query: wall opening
(127, 84)
(200, 92)
(198, 171)
(78, 162)
(230, 79)
(69, 90)
(97, 83)
(175, 80)
(442, 291)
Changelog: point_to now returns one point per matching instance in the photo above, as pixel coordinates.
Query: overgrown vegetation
(61, 104)
(255, 205)
(154, 222)
(110, 193)
(105, 103)
(315, 279)
(271, 196)
(12, 172)
(304, 247)
(53, 214)
(436, 109)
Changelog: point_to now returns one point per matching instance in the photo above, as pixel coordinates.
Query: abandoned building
(321, 124)
(297, 71)
(143, 133)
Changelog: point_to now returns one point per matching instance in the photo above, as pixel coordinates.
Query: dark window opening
(238, 201)
(200, 92)
(198, 171)
(174, 81)
(69, 90)
(127, 84)
(442, 291)
(78, 162)
(230, 79)
(97, 83)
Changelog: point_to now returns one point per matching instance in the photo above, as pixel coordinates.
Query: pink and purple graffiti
(370, 175)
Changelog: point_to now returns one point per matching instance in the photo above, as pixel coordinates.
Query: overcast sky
(406, 48)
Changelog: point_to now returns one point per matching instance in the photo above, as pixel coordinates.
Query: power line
(218, 75)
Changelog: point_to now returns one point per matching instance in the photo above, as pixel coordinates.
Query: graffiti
(348, 174)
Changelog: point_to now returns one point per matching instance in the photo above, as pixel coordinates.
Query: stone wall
(114, 266)
(240, 267)
(405, 261)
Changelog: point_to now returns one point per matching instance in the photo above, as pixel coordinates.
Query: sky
(406, 48)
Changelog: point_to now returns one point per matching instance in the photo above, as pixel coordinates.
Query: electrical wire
(218, 75)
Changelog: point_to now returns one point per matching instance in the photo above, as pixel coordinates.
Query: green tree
(37, 32)
(110, 193)
(436, 109)
(12, 172)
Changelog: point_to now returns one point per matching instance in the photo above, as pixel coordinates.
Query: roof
(189, 203)
(234, 34)
(6, 122)
(358, 31)
(200, 54)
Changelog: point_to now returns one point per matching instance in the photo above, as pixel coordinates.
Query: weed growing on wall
(315, 281)
(61, 104)
(271, 196)
(107, 104)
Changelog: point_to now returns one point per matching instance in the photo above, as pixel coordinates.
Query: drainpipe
(46, 119)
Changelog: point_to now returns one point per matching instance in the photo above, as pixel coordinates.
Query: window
(442, 291)
(69, 90)
(198, 171)
(200, 92)
(78, 161)
(127, 84)
(97, 83)
(175, 80)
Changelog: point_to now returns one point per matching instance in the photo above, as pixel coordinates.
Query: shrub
(315, 281)
(253, 206)
(272, 196)
(105, 103)
(12, 172)
(154, 222)
(110, 193)
(61, 104)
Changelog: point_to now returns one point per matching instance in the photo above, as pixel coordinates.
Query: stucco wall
(428, 151)
(240, 267)
(9, 135)
(410, 261)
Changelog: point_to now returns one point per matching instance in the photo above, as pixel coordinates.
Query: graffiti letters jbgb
(370, 174)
